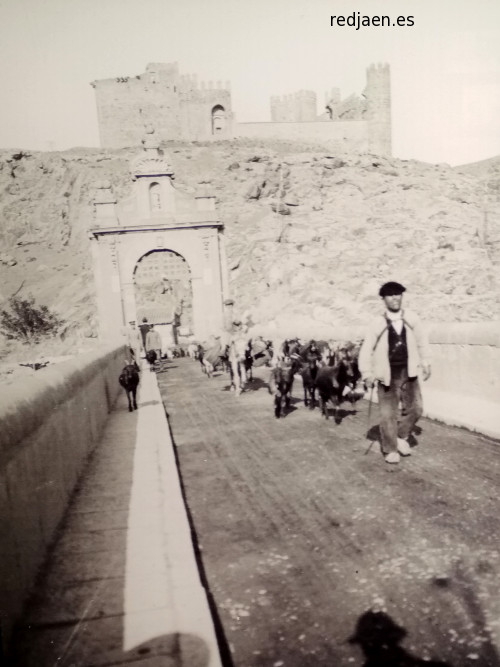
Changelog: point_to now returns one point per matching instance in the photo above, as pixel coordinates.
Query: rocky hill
(310, 234)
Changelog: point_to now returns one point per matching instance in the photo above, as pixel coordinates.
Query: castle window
(218, 119)
(155, 197)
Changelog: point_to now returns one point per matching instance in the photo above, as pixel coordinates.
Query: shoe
(392, 457)
(403, 447)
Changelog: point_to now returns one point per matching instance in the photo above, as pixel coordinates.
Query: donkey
(309, 360)
(281, 383)
(129, 380)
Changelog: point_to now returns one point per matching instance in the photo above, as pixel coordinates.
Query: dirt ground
(303, 531)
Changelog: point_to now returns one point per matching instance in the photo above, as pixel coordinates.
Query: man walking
(394, 349)
(144, 328)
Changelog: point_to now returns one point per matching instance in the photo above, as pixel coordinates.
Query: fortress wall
(180, 107)
(51, 422)
(344, 135)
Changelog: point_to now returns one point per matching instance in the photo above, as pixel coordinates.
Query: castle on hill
(180, 107)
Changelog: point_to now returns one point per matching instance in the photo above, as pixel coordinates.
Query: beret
(391, 288)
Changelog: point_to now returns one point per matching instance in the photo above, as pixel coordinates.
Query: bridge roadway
(299, 528)
(301, 531)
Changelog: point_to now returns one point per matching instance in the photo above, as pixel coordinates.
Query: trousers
(394, 423)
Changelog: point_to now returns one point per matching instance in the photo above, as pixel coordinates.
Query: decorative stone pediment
(151, 161)
(145, 165)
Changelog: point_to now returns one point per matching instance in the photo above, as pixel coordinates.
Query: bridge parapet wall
(464, 389)
(50, 424)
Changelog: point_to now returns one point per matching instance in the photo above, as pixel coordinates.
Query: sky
(445, 68)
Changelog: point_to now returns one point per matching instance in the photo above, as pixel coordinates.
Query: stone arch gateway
(126, 232)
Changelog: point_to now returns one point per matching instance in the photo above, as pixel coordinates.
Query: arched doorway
(164, 294)
(218, 119)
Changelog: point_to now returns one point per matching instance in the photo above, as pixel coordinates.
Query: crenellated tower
(378, 108)
(299, 107)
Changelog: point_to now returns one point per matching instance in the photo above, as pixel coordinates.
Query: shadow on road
(379, 637)
(341, 414)
(256, 384)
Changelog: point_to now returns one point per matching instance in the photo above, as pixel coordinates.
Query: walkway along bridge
(280, 538)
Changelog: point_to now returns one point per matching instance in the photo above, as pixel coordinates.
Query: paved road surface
(301, 531)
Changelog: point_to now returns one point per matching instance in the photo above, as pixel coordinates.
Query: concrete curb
(187, 598)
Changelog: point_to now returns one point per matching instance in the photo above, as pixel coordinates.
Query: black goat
(309, 372)
(151, 357)
(281, 383)
(332, 381)
(129, 380)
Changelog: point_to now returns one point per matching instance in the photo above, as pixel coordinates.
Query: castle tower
(306, 105)
(298, 107)
(378, 113)
(177, 105)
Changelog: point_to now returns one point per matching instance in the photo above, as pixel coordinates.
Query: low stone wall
(464, 388)
(50, 424)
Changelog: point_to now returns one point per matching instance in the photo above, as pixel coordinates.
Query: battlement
(298, 95)
(378, 68)
(189, 82)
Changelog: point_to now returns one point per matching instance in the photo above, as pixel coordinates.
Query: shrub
(27, 322)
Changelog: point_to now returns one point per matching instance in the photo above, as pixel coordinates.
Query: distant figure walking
(144, 328)
(134, 341)
(153, 342)
(394, 349)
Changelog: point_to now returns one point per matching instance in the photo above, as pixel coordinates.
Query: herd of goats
(328, 370)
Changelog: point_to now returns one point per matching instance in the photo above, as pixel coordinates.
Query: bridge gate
(158, 226)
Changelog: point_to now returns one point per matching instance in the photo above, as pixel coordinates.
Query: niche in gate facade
(155, 198)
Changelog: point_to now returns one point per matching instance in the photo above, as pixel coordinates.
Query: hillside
(310, 235)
